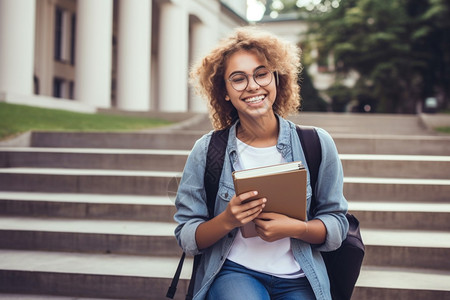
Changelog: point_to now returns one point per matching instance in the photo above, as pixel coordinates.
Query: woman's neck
(258, 132)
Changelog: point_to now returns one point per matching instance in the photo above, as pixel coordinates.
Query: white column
(134, 53)
(173, 57)
(202, 39)
(93, 52)
(43, 54)
(17, 29)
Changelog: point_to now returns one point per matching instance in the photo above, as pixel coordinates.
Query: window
(57, 87)
(63, 88)
(72, 40)
(58, 33)
(64, 35)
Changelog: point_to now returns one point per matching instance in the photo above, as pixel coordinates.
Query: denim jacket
(192, 210)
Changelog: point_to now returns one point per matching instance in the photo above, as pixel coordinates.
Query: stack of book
(283, 185)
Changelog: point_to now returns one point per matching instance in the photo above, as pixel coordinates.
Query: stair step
(407, 248)
(416, 248)
(181, 140)
(95, 264)
(371, 214)
(397, 189)
(88, 206)
(401, 215)
(404, 166)
(401, 283)
(400, 166)
(165, 183)
(90, 275)
(184, 140)
(44, 297)
(97, 172)
(100, 236)
(135, 182)
(92, 158)
(407, 238)
(363, 123)
(393, 144)
(134, 277)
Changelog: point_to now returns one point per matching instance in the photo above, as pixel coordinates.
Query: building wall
(50, 68)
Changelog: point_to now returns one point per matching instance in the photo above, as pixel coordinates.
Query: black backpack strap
(173, 286)
(214, 164)
(213, 169)
(190, 293)
(312, 149)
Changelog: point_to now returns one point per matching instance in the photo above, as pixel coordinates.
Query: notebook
(284, 186)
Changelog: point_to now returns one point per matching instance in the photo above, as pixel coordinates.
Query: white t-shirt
(254, 253)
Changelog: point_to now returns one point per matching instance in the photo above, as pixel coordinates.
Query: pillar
(202, 39)
(17, 30)
(93, 52)
(134, 54)
(173, 57)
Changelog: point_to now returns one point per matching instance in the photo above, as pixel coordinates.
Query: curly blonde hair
(278, 55)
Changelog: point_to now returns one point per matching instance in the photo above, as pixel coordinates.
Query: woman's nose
(252, 84)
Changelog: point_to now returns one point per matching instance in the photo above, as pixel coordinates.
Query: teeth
(254, 99)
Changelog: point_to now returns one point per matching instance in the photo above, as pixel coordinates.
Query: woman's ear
(227, 98)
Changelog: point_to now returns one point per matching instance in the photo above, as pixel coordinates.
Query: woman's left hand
(272, 226)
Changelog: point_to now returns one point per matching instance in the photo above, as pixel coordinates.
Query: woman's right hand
(235, 215)
(240, 212)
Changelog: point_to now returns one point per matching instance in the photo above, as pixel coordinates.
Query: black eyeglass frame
(254, 79)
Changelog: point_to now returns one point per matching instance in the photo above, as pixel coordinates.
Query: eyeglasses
(239, 81)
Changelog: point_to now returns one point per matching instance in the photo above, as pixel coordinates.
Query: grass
(15, 119)
(443, 129)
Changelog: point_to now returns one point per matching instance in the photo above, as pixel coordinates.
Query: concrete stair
(407, 248)
(89, 215)
(89, 274)
(94, 158)
(345, 142)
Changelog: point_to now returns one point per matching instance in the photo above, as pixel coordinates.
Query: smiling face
(254, 100)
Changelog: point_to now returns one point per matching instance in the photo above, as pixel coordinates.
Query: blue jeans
(236, 282)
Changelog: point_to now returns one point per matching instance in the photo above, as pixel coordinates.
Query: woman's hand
(235, 215)
(272, 227)
(240, 212)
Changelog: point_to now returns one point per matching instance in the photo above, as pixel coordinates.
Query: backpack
(343, 264)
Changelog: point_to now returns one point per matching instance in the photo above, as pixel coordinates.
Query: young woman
(250, 81)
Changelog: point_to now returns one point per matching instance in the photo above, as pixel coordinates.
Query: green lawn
(15, 119)
(443, 129)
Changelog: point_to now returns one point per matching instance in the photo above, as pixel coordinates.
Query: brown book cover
(283, 185)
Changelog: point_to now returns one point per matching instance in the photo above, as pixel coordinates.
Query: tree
(400, 48)
(311, 100)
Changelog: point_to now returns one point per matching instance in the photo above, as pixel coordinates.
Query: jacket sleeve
(330, 202)
(190, 201)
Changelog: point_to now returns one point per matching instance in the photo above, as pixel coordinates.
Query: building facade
(125, 54)
(131, 55)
